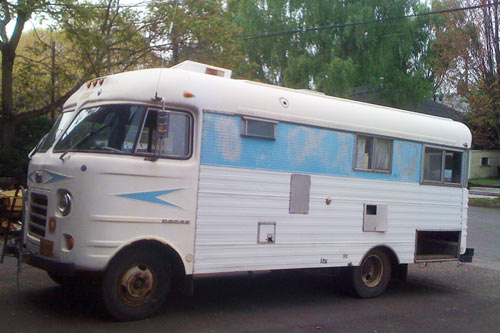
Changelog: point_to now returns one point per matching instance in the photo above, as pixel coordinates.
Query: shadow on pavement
(229, 293)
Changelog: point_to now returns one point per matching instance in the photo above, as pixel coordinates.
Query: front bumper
(49, 264)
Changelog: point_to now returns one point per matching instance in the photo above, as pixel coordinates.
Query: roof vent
(203, 68)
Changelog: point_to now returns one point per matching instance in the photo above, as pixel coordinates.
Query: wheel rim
(136, 286)
(372, 271)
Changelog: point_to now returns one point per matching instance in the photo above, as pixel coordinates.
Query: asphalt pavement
(436, 298)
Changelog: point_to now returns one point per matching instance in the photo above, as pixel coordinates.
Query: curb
(480, 185)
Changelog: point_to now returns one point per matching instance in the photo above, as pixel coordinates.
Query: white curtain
(362, 157)
(382, 154)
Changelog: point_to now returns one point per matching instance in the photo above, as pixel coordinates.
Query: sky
(34, 22)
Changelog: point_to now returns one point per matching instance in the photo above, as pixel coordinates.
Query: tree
(267, 58)
(42, 61)
(194, 30)
(468, 56)
(93, 39)
(106, 36)
(382, 57)
(42, 68)
(9, 118)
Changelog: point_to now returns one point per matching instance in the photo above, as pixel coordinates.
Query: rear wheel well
(395, 265)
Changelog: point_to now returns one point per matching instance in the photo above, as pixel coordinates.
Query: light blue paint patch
(151, 197)
(31, 176)
(298, 148)
(55, 177)
(48, 176)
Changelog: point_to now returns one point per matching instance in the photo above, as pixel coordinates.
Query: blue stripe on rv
(298, 148)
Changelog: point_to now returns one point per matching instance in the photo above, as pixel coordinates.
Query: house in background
(485, 164)
(430, 107)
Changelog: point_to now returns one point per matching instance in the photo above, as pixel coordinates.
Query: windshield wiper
(85, 138)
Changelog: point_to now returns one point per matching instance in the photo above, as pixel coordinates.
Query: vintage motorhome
(154, 176)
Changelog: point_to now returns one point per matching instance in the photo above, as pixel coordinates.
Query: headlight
(64, 205)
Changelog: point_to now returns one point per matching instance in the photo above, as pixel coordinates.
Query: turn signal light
(52, 224)
(69, 242)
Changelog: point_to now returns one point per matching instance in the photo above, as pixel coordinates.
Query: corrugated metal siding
(233, 200)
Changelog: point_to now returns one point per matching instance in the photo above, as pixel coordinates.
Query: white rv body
(227, 206)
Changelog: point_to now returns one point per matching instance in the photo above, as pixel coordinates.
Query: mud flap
(467, 256)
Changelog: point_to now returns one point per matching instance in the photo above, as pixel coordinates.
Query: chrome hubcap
(136, 285)
(372, 271)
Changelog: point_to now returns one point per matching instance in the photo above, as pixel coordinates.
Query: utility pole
(53, 78)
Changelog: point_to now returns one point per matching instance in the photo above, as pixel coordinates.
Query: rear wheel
(135, 284)
(370, 279)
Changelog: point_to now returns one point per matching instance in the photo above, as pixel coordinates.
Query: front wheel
(135, 284)
(370, 279)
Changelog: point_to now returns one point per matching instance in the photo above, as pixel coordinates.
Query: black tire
(135, 284)
(370, 279)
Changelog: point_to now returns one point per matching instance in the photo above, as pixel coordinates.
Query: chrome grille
(38, 214)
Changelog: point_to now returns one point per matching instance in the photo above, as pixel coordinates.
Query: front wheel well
(171, 257)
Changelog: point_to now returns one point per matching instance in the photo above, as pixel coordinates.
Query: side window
(178, 143)
(433, 161)
(258, 128)
(442, 166)
(373, 154)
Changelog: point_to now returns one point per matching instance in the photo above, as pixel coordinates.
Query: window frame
(463, 171)
(374, 139)
(189, 113)
(56, 139)
(244, 128)
(487, 161)
(190, 136)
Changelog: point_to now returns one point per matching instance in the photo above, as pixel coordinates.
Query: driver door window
(178, 143)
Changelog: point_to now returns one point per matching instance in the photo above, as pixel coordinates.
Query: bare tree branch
(46, 109)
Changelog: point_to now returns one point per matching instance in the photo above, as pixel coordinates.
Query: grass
(485, 181)
(485, 202)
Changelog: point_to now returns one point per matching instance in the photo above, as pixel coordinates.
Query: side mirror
(162, 124)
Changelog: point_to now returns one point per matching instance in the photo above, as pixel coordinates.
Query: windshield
(55, 132)
(111, 128)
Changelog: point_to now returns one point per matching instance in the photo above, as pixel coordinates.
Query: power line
(141, 4)
(338, 26)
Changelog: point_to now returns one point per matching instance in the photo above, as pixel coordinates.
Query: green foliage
(485, 181)
(384, 57)
(466, 58)
(14, 162)
(105, 37)
(266, 58)
(193, 30)
(34, 70)
(484, 118)
(485, 202)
